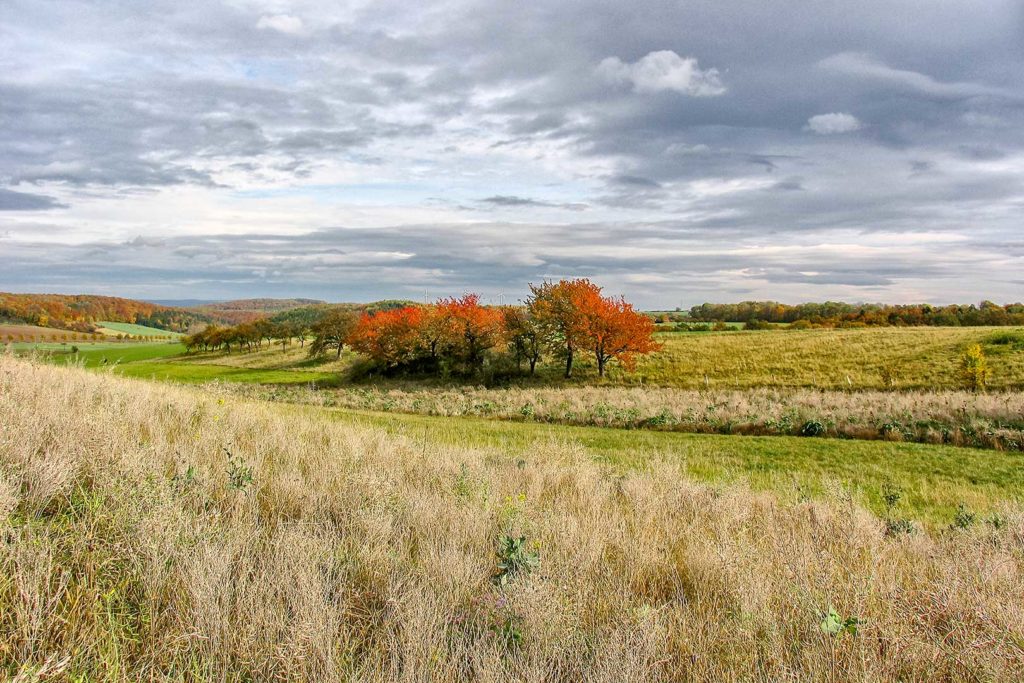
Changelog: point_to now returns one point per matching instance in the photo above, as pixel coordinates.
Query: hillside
(248, 310)
(83, 312)
(153, 529)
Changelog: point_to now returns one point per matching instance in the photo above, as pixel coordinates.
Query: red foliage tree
(617, 332)
(558, 308)
(389, 337)
(474, 328)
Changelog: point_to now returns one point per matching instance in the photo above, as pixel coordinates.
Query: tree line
(833, 313)
(561, 320)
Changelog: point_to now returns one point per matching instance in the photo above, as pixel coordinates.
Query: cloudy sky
(676, 152)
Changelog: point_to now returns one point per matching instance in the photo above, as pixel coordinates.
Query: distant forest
(839, 314)
(82, 312)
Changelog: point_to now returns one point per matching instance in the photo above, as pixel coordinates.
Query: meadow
(895, 384)
(114, 328)
(867, 358)
(161, 532)
(843, 359)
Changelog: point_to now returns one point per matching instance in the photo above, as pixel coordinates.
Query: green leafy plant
(835, 625)
(899, 526)
(514, 559)
(964, 518)
(463, 487)
(240, 475)
(996, 521)
(812, 428)
(894, 526)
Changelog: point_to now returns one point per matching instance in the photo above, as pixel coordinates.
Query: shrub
(812, 428)
(964, 518)
(974, 370)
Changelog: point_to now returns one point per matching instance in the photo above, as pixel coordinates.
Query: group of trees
(460, 335)
(563, 319)
(245, 336)
(82, 312)
(834, 313)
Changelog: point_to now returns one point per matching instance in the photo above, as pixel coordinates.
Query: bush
(974, 370)
(812, 428)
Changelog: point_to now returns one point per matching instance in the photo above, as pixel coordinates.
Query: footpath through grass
(934, 480)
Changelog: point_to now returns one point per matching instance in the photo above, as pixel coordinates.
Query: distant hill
(182, 303)
(308, 315)
(247, 310)
(83, 312)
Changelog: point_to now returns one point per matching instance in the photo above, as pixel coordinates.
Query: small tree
(524, 337)
(558, 309)
(617, 332)
(332, 332)
(974, 368)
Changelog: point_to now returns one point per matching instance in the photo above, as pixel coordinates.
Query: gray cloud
(698, 136)
(25, 201)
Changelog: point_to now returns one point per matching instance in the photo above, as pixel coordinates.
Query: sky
(674, 152)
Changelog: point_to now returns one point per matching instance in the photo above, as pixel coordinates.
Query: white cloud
(285, 23)
(835, 122)
(663, 70)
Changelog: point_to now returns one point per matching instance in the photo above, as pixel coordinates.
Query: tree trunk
(339, 350)
(600, 365)
(533, 364)
(568, 363)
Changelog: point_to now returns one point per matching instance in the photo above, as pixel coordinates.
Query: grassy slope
(135, 549)
(842, 359)
(838, 359)
(137, 330)
(934, 479)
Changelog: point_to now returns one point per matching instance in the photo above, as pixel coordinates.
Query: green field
(102, 354)
(914, 357)
(136, 330)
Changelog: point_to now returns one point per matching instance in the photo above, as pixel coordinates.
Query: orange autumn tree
(617, 332)
(574, 316)
(390, 337)
(558, 309)
(474, 328)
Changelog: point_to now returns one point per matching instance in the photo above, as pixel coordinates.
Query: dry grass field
(151, 532)
(962, 418)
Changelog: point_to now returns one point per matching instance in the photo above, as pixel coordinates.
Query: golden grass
(128, 554)
(916, 357)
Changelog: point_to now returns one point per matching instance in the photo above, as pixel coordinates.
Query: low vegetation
(959, 418)
(153, 532)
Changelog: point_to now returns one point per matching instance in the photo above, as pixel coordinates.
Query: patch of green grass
(124, 354)
(195, 373)
(934, 479)
(138, 330)
(93, 355)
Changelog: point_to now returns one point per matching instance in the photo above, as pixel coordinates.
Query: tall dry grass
(963, 418)
(134, 547)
